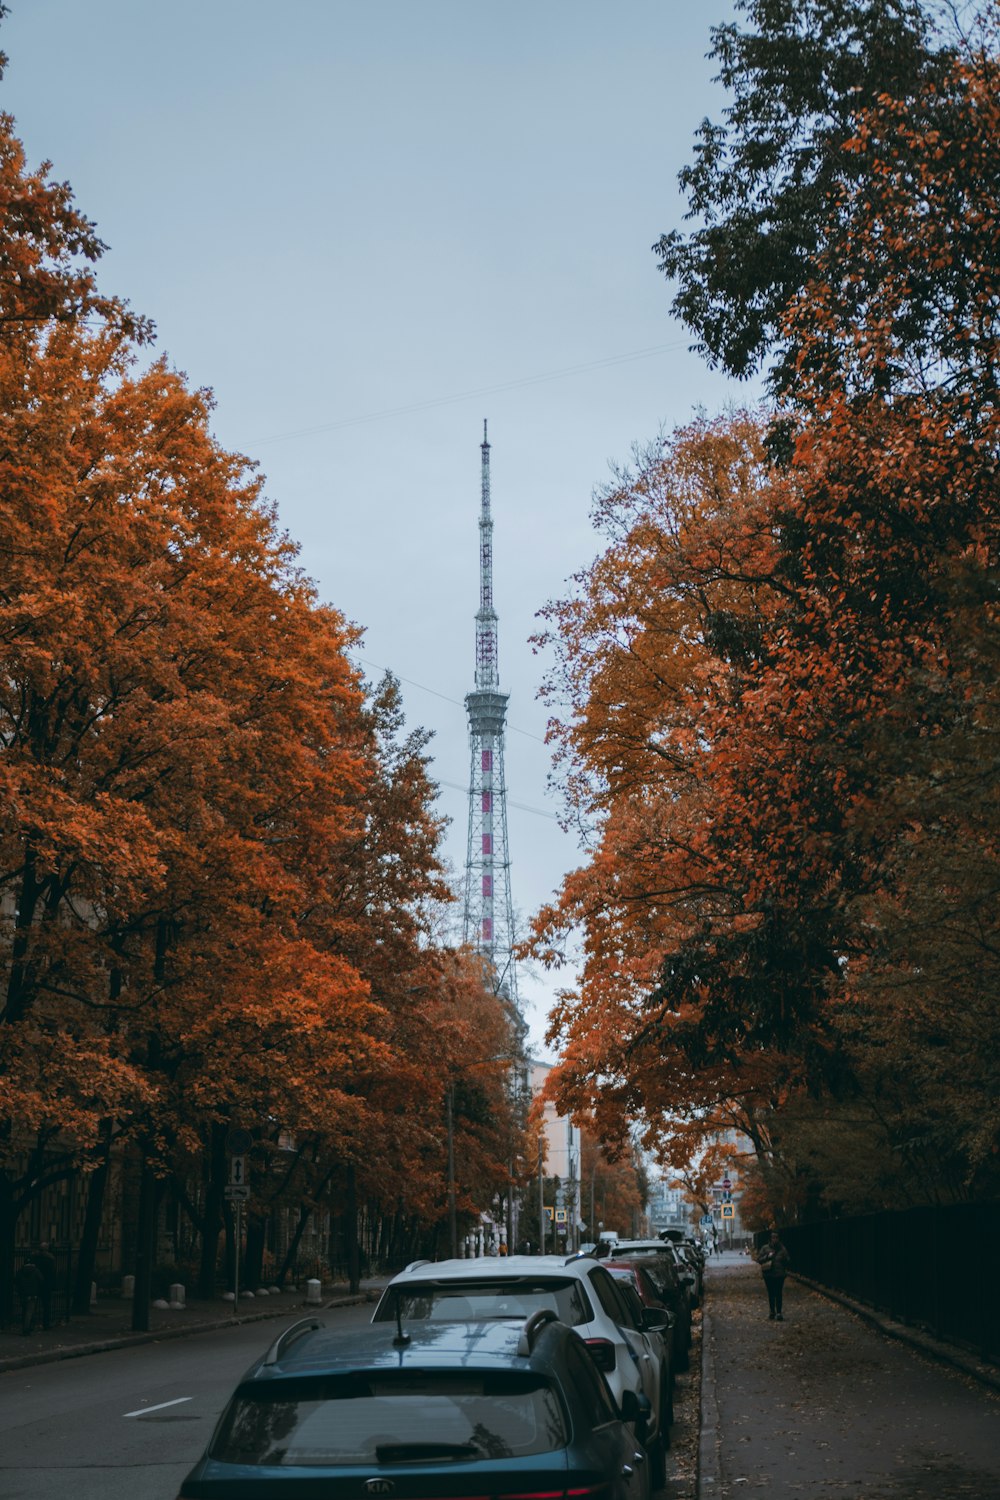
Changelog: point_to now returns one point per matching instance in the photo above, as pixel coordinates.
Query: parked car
(635, 1283)
(696, 1264)
(445, 1410)
(674, 1287)
(636, 1275)
(676, 1251)
(688, 1270)
(579, 1290)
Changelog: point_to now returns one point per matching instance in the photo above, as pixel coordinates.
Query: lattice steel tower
(489, 910)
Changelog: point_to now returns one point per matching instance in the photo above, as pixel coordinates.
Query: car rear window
(394, 1417)
(467, 1302)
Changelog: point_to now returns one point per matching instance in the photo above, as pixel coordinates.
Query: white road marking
(145, 1410)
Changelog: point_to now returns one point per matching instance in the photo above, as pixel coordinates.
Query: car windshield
(392, 1417)
(475, 1301)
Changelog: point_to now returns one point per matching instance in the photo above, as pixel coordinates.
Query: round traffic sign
(238, 1142)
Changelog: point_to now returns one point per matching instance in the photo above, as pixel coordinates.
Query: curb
(708, 1481)
(129, 1340)
(923, 1343)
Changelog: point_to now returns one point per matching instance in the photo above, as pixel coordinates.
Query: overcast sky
(367, 225)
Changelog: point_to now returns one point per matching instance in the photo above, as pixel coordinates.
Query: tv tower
(489, 910)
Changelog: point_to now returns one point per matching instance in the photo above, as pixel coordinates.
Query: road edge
(709, 1477)
(130, 1340)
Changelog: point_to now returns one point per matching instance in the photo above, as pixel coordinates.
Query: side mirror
(629, 1407)
(635, 1408)
(655, 1319)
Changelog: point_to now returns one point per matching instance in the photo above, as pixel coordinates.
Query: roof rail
(416, 1264)
(284, 1340)
(533, 1324)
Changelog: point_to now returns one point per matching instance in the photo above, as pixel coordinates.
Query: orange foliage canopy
(218, 852)
(782, 678)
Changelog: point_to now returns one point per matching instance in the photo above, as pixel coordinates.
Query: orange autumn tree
(183, 743)
(613, 1189)
(784, 915)
(660, 634)
(220, 850)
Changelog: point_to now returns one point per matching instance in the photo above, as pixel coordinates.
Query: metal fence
(937, 1268)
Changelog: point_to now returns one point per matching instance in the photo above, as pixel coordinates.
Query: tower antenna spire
(488, 911)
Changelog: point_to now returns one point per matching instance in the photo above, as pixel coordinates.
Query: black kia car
(446, 1411)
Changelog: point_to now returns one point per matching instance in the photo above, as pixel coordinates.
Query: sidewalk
(826, 1404)
(109, 1326)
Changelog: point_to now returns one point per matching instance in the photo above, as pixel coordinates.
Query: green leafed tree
(760, 184)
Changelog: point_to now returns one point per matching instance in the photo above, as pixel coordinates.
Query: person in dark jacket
(773, 1260)
(28, 1285)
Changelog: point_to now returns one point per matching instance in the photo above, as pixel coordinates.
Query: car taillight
(588, 1492)
(602, 1351)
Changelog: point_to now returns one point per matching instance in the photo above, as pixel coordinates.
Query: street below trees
(820, 1406)
(130, 1422)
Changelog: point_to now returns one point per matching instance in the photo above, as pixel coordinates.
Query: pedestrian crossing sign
(727, 1210)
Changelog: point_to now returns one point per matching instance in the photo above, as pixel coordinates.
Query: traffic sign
(238, 1142)
(238, 1192)
(238, 1170)
(707, 1221)
(727, 1210)
(726, 1183)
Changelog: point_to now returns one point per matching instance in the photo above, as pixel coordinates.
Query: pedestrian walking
(29, 1285)
(46, 1263)
(773, 1259)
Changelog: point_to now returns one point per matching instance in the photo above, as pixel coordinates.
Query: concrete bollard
(313, 1289)
(176, 1297)
(93, 1294)
(128, 1286)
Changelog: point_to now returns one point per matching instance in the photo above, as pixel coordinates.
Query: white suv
(579, 1290)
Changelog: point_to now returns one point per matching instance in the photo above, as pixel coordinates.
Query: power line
(485, 390)
(521, 806)
(539, 739)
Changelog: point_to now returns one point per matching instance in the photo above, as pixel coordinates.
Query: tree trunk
(145, 1242)
(8, 1224)
(214, 1194)
(86, 1257)
(253, 1263)
(351, 1230)
(293, 1248)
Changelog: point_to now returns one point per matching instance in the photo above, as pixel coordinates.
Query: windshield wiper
(397, 1453)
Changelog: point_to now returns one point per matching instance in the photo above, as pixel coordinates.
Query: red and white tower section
(489, 910)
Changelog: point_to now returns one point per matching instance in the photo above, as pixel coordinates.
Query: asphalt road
(128, 1424)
